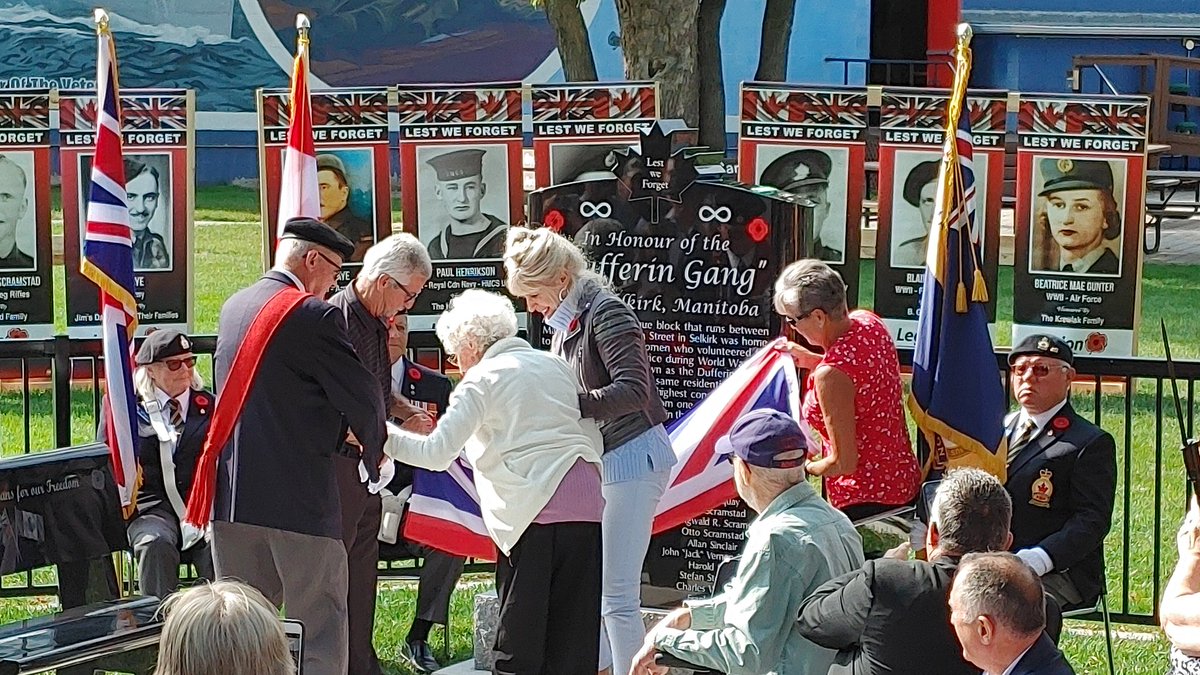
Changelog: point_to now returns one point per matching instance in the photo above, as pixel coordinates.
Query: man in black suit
(997, 613)
(393, 274)
(891, 616)
(277, 516)
(419, 396)
(1062, 475)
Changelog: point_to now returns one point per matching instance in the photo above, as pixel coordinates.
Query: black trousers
(549, 591)
(361, 512)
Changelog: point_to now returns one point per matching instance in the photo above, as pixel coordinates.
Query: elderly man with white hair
(394, 272)
(516, 413)
(797, 543)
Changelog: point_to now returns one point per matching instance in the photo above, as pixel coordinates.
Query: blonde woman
(222, 628)
(602, 339)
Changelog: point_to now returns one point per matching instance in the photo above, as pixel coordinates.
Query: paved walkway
(1180, 243)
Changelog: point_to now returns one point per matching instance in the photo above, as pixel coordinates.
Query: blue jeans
(625, 530)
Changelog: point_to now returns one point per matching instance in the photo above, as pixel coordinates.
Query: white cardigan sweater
(516, 413)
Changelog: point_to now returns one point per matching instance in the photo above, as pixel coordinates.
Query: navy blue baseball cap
(760, 435)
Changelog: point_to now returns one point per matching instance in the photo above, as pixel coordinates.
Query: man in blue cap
(470, 233)
(797, 543)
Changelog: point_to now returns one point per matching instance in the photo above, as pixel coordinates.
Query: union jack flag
(142, 111)
(794, 106)
(554, 103)
(1127, 118)
(444, 509)
(350, 108)
(20, 110)
(912, 111)
(108, 262)
(460, 105)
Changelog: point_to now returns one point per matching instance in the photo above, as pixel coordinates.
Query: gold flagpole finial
(302, 26)
(101, 18)
(964, 34)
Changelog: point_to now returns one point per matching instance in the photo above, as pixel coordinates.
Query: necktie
(1068, 268)
(176, 414)
(1020, 439)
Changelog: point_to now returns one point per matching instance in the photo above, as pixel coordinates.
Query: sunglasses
(1037, 369)
(793, 320)
(176, 364)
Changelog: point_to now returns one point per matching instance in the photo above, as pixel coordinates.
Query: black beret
(458, 164)
(798, 169)
(163, 344)
(307, 229)
(921, 175)
(1043, 345)
(1065, 173)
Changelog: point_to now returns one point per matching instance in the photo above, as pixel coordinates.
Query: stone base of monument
(486, 618)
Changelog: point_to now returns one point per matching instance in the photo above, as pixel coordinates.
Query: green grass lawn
(228, 257)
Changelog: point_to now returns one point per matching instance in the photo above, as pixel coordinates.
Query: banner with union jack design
(460, 183)
(1081, 176)
(913, 129)
(350, 139)
(158, 141)
(811, 142)
(26, 257)
(577, 127)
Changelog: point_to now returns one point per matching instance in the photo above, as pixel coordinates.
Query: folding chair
(1101, 608)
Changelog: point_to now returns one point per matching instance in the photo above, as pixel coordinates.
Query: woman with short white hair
(222, 628)
(536, 462)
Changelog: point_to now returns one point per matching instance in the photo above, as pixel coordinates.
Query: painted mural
(225, 49)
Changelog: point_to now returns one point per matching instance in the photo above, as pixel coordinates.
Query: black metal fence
(52, 393)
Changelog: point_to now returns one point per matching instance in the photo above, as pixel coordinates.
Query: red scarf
(233, 399)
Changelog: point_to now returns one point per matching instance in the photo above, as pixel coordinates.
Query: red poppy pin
(573, 325)
(757, 230)
(1060, 423)
(201, 400)
(1096, 342)
(18, 333)
(554, 220)
(414, 374)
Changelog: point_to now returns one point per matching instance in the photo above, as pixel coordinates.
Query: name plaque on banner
(1081, 175)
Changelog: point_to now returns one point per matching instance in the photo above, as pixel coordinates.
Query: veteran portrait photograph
(17, 222)
(910, 226)
(1076, 224)
(144, 186)
(819, 176)
(334, 187)
(454, 200)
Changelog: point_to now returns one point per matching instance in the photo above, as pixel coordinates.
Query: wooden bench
(120, 635)
(1169, 194)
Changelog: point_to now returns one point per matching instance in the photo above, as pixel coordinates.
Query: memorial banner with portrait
(578, 127)
(700, 278)
(812, 143)
(159, 150)
(1081, 175)
(460, 178)
(350, 136)
(912, 125)
(26, 260)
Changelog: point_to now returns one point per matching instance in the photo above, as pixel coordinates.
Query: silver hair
(221, 628)
(972, 511)
(144, 385)
(476, 317)
(772, 481)
(399, 255)
(290, 252)
(999, 585)
(810, 284)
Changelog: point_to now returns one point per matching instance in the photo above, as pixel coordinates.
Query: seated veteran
(173, 412)
(1062, 475)
(797, 542)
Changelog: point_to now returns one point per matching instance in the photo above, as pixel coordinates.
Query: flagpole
(101, 18)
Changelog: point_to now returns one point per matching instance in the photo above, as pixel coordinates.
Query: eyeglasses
(409, 296)
(452, 359)
(1037, 369)
(176, 364)
(336, 265)
(793, 320)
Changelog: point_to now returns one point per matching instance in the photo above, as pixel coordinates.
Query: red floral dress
(887, 471)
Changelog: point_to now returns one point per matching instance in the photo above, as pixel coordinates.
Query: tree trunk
(712, 82)
(776, 38)
(658, 42)
(574, 45)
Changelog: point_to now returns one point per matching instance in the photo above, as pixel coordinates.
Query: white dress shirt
(184, 399)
